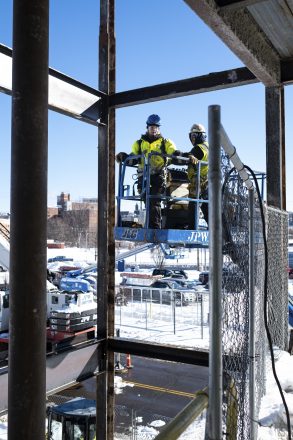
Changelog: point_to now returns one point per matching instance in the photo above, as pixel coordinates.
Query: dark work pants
(203, 206)
(191, 213)
(157, 187)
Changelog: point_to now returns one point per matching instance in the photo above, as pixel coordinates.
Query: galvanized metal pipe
(181, 422)
(28, 234)
(252, 412)
(215, 227)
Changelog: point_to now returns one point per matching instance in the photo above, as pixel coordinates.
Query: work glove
(132, 162)
(193, 160)
(176, 160)
(121, 157)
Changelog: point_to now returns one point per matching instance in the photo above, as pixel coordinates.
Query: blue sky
(157, 41)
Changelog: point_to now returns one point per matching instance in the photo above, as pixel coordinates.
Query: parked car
(189, 284)
(171, 273)
(290, 264)
(203, 277)
(290, 302)
(169, 283)
(157, 292)
(179, 274)
(233, 278)
(290, 259)
(166, 294)
(59, 258)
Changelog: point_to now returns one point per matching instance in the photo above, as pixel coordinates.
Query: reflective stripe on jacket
(192, 169)
(157, 162)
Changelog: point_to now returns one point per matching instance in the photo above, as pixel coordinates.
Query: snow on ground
(119, 384)
(272, 419)
(3, 428)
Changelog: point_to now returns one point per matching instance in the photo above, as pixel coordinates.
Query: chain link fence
(162, 310)
(277, 239)
(235, 300)
(235, 307)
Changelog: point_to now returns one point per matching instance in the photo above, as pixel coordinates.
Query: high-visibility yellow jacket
(192, 169)
(160, 145)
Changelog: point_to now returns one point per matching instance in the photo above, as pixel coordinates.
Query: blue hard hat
(153, 120)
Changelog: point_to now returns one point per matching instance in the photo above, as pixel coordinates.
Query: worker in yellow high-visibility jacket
(198, 153)
(152, 142)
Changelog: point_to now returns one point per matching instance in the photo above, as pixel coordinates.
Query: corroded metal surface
(240, 32)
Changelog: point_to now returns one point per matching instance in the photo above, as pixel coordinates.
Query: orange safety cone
(128, 361)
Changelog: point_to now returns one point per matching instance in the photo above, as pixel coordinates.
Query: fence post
(201, 311)
(215, 264)
(174, 310)
(118, 366)
(146, 313)
(252, 415)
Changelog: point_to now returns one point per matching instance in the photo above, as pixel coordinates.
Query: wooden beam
(240, 32)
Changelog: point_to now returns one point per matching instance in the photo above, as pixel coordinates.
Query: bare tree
(158, 257)
(72, 228)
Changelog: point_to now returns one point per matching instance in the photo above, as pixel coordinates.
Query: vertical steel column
(28, 235)
(215, 228)
(283, 149)
(111, 217)
(275, 146)
(106, 213)
(251, 317)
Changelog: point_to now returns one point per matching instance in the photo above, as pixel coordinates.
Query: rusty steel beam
(287, 72)
(63, 369)
(190, 86)
(28, 232)
(165, 352)
(66, 95)
(275, 141)
(240, 32)
(111, 215)
(105, 380)
(158, 351)
(73, 98)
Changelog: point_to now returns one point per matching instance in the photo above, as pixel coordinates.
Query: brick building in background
(74, 223)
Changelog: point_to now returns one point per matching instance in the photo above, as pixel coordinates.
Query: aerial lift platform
(174, 230)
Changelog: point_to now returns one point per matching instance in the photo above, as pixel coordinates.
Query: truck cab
(75, 419)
